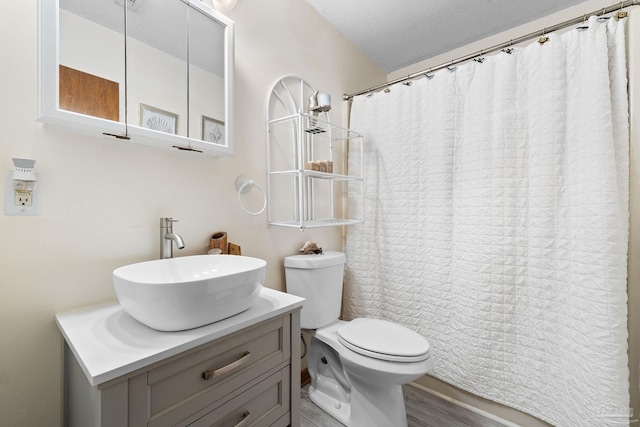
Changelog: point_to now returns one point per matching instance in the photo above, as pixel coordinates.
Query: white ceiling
(161, 24)
(398, 33)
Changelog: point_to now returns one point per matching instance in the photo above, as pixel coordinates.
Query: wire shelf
(316, 174)
(316, 223)
(316, 126)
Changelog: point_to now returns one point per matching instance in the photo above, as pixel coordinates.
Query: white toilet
(357, 368)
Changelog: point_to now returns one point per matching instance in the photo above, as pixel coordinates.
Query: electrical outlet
(23, 198)
(21, 203)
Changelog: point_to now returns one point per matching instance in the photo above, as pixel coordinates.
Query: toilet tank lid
(325, 259)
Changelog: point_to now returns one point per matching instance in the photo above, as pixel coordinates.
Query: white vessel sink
(188, 292)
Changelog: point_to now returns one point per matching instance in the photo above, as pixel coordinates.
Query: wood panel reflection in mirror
(85, 93)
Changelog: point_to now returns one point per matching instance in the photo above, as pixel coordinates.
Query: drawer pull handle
(207, 375)
(245, 419)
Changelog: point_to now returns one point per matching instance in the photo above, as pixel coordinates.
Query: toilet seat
(384, 340)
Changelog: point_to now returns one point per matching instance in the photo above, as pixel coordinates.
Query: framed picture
(157, 119)
(212, 130)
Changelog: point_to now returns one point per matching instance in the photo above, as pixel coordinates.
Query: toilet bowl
(357, 368)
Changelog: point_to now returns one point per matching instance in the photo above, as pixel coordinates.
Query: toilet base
(358, 382)
(381, 407)
(352, 393)
(338, 409)
(390, 413)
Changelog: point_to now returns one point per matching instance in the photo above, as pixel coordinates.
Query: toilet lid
(384, 340)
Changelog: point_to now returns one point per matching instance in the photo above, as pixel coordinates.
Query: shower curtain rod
(506, 45)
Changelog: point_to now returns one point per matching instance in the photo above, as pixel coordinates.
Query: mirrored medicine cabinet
(154, 72)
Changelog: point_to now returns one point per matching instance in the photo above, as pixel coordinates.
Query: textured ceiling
(398, 33)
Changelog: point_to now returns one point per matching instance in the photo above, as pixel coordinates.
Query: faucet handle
(165, 222)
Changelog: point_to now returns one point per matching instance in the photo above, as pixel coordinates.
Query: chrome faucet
(167, 237)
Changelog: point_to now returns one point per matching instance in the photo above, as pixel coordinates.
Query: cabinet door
(156, 66)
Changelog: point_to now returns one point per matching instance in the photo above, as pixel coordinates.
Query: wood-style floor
(423, 410)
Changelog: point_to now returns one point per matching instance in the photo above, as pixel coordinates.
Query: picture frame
(213, 130)
(157, 119)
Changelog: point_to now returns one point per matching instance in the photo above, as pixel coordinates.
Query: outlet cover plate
(10, 207)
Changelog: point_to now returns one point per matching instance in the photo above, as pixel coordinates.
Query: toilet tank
(318, 278)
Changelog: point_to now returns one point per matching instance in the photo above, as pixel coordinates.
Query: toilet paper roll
(219, 240)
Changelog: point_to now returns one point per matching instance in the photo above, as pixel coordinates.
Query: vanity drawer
(262, 405)
(196, 382)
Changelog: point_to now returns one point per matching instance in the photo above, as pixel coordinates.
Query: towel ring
(244, 185)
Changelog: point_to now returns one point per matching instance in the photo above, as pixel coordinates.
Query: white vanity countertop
(108, 343)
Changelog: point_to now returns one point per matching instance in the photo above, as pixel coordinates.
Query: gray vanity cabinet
(248, 378)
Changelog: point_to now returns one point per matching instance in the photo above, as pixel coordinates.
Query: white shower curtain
(496, 216)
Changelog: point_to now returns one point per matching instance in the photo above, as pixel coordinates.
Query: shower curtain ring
(584, 26)
(509, 48)
(429, 74)
(621, 14)
(543, 39)
(603, 18)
